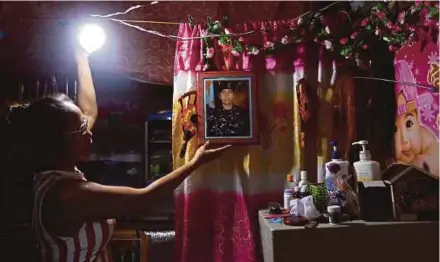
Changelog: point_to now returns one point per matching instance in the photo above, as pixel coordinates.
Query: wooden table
(354, 241)
(132, 235)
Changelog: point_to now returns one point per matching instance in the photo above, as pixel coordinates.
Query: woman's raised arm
(86, 90)
(82, 201)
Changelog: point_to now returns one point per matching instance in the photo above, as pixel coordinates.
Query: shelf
(161, 142)
(127, 158)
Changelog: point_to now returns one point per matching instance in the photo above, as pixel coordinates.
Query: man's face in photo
(227, 98)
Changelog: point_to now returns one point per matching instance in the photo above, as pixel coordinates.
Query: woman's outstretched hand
(204, 155)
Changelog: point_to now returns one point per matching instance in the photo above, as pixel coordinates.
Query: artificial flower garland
(382, 21)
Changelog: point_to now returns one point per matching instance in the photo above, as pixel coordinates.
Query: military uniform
(227, 123)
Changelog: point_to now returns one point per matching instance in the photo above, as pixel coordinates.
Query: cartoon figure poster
(416, 139)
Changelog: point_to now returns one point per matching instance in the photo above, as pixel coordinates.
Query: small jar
(334, 214)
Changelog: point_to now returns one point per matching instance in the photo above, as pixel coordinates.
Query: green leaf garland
(380, 23)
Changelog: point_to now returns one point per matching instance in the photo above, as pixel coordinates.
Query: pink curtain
(216, 208)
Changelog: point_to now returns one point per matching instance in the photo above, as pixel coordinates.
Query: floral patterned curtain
(216, 208)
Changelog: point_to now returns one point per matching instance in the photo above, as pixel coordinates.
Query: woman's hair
(34, 132)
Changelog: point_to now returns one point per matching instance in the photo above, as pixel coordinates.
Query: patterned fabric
(88, 245)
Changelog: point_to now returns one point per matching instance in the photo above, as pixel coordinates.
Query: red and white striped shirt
(88, 245)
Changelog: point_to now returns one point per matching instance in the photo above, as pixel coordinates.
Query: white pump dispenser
(336, 158)
(366, 169)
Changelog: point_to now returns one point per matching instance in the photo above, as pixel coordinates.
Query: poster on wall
(416, 140)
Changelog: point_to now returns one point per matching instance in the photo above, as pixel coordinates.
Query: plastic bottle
(297, 193)
(330, 182)
(290, 184)
(336, 158)
(366, 169)
(288, 196)
(304, 182)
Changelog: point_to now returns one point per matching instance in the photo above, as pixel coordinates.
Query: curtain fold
(216, 208)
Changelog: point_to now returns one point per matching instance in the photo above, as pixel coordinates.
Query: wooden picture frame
(227, 108)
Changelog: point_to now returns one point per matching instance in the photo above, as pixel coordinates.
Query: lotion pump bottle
(336, 158)
(366, 169)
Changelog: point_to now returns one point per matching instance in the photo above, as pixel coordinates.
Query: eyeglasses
(83, 129)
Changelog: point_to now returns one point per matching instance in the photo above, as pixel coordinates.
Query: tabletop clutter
(333, 200)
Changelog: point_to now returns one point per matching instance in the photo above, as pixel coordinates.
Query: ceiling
(36, 34)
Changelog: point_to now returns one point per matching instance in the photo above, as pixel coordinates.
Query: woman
(73, 218)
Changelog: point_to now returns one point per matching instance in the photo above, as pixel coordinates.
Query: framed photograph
(227, 108)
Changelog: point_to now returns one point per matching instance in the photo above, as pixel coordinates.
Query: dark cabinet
(158, 145)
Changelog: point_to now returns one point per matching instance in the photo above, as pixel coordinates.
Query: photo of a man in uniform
(227, 119)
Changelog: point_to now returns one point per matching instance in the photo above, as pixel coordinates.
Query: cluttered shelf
(365, 241)
(379, 217)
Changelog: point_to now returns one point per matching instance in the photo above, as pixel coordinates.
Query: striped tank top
(88, 245)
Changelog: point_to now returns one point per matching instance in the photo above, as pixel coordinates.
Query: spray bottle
(366, 169)
(336, 158)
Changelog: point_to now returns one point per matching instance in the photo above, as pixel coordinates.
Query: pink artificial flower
(395, 29)
(343, 41)
(378, 32)
(365, 21)
(392, 48)
(401, 18)
(285, 40)
(365, 47)
(198, 67)
(235, 53)
(389, 25)
(381, 15)
(353, 36)
(328, 44)
(205, 67)
(254, 51)
(210, 52)
(269, 44)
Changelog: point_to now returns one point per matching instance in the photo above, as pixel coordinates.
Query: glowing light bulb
(91, 37)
